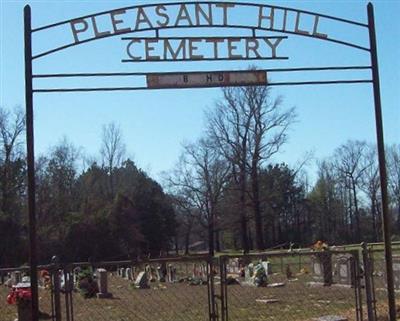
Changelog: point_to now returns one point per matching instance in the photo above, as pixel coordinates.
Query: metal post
(367, 279)
(355, 266)
(56, 291)
(386, 222)
(30, 161)
(223, 296)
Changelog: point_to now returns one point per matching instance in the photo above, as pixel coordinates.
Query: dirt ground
(181, 302)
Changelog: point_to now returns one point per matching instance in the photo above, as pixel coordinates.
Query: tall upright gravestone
(322, 267)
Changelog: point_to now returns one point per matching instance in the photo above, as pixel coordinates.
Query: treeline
(107, 211)
(228, 191)
(225, 191)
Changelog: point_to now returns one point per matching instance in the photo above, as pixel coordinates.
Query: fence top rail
(394, 243)
(196, 258)
(301, 252)
(24, 268)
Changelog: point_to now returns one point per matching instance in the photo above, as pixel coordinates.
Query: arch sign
(258, 20)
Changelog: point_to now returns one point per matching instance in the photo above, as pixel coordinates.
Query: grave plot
(156, 291)
(289, 290)
(15, 279)
(379, 279)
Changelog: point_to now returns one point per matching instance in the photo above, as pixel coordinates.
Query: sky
(154, 123)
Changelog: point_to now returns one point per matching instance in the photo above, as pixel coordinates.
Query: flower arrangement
(320, 246)
(19, 296)
(87, 284)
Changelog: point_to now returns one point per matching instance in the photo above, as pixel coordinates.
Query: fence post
(224, 292)
(69, 287)
(367, 278)
(211, 290)
(56, 288)
(357, 286)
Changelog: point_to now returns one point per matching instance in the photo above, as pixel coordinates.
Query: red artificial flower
(18, 295)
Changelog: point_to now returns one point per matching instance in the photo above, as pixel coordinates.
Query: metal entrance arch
(85, 29)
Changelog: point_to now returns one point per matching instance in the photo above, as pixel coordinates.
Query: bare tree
(350, 163)
(268, 132)
(229, 129)
(12, 126)
(248, 127)
(112, 151)
(186, 216)
(393, 162)
(370, 184)
(200, 177)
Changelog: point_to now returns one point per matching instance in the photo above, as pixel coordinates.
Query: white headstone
(141, 281)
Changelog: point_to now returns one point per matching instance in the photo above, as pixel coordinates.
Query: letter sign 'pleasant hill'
(142, 18)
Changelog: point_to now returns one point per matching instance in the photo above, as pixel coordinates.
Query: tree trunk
(256, 208)
(187, 241)
(373, 214)
(211, 233)
(357, 214)
(217, 241)
(242, 211)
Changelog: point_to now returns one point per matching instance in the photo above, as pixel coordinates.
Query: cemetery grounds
(299, 298)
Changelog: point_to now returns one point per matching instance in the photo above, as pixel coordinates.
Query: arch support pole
(386, 219)
(30, 162)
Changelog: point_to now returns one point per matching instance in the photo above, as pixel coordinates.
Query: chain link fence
(20, 276)
(378, 305)
(156, 290)
(296, 285)
(293, 286)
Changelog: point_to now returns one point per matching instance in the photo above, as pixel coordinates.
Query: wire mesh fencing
(13, 304)
(294, 286)
(379, 294)
(156, 290)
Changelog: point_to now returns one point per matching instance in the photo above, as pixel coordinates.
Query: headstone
(76, 272)
(203, 271)
(233, 266)
(260, 276)
(24, 310)
(158, 276)
(255, 275)
(15, 278)
(344, 274)
(141, 281)
(123, 273)
(266, 265)
(147, 270)
(103, 284)
(322, 267)
(248, 273)
(396, 271)
(129, 274)
(8, 282)
(171, 273)
(163, 272)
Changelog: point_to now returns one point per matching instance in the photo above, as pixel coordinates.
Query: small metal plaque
(207, 79)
